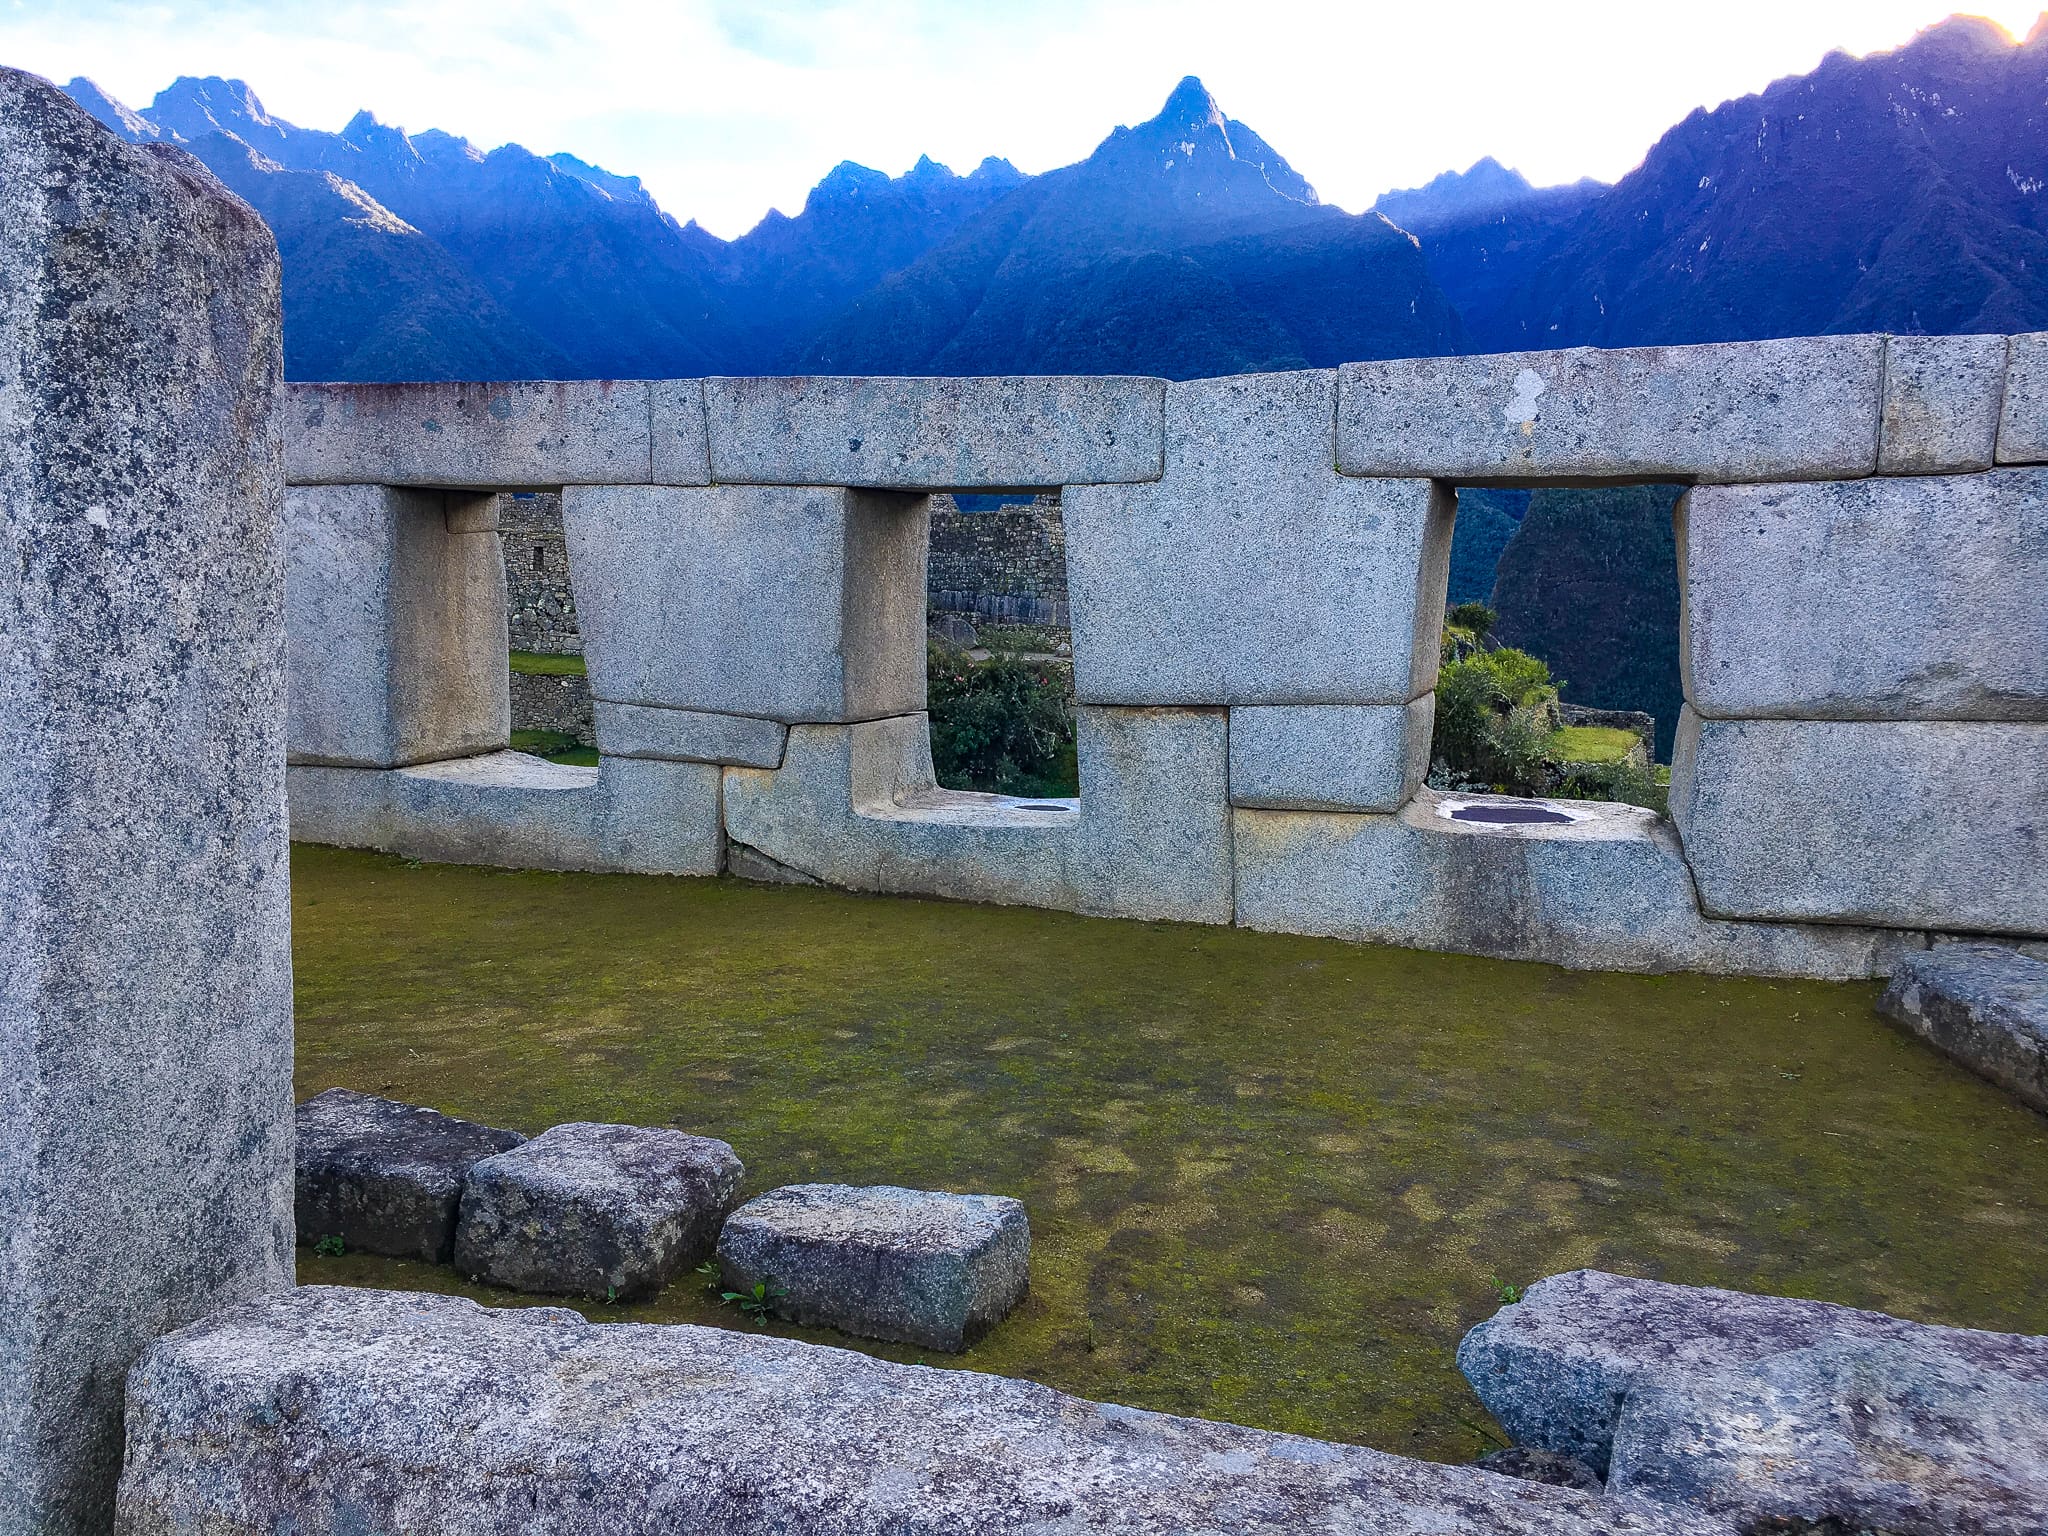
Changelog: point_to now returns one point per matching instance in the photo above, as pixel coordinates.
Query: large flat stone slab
(396, 618)
(934, 434)
(326, 1411)
(2023, 416)
(1884, 599)
(1982, 1005)
(1635, 1376)
(784, 604)
(145, 964)
(1911, 824)
(1942, 398)
(385, 1177)
(629, 815)
(858, 806)
(1253, 573)
(1329, 757)
(688, 735)
(595, 1210)
(536, 434)
(1848, 1435)
(1608, 890)
(1803, 409)
(915, 1266)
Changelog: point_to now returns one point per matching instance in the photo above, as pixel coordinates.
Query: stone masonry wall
(1008, 565)
(539, 606)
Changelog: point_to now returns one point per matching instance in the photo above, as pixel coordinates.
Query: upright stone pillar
(145, 974)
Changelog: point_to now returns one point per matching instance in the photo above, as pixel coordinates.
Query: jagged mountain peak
(119, 116)
(994, 170)
(1487, 187)
(193, 106)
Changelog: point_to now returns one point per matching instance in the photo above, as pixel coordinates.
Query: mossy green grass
(1593, 744)
(1271, 1179)
(546, 664)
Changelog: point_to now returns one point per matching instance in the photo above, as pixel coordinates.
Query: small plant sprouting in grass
(330, 1247)
(714, 1280)
(1508, 1294)
(759, 1303)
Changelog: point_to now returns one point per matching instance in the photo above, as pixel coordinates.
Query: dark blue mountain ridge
(1901, 191)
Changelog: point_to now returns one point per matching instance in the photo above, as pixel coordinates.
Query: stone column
(145, 973)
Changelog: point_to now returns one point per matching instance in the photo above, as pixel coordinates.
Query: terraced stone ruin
(212, 577)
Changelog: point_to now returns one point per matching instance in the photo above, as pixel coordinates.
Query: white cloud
(724, 107)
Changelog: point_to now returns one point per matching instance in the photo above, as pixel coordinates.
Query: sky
(727, 107)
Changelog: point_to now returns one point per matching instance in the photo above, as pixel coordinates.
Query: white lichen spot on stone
(1521, 409)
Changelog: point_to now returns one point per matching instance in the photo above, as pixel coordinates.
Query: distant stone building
(1004, 565)
(540, 606)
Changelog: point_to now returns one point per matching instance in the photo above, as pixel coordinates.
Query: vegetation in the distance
(556, 747)
(543, 664)
(1002, 726)
(1498, 727)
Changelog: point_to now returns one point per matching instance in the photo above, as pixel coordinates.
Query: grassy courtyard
(1271, 1179)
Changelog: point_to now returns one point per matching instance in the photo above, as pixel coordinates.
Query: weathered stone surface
(689, 735)
(934, 434)
(675, 409)
(2023, 418)
(386, 1177)
(1329, 757)
(331, 1410)
(632, 815)
(1803, 409)
(145, 976)
(1885, 599)
(1560, 1367)
(1253, 573)
(1610, 891)
(859, 807)
(911, 1265)
(1983, 1005)
(790, 605)
(396, 624)
(1942, 396)
(1525, 1461)
(1898, 1436)
(595, 1210)
(1919, 824)
(540, 433)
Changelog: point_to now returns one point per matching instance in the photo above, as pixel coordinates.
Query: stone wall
(1255, 578)
(540, 607)
(545, 703)
(1007, 565)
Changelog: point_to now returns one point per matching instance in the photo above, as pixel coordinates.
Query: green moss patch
(543, 664)
(1593, 744)
(1271, 1179)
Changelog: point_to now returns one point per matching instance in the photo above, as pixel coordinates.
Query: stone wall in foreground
(1255, 577)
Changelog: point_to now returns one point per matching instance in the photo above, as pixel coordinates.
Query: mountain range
(1902, 191)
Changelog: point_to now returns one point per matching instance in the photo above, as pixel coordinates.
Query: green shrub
(1005, 727)
(1496, 716)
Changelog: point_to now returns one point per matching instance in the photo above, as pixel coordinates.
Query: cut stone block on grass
(595, 1210)
(910, 1265)
(1802, 409)
(534, 434)
(1764, 1408)
(1884, 599)
(1932, 824)
(386, 1177)
(1254, 573)
(934, 434)
(409, 1412)
(1982, 1005)
(1942, 397)
(787, 604)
